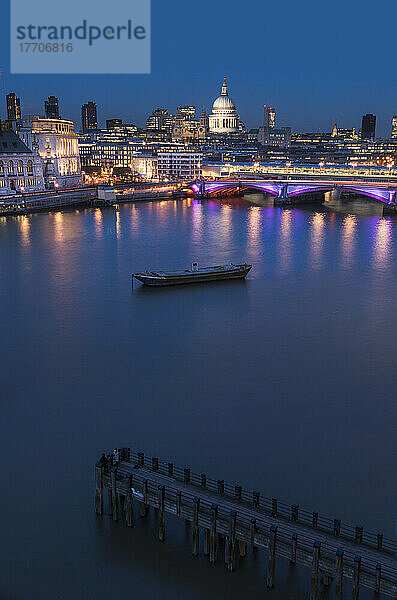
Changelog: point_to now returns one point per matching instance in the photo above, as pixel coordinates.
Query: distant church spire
(224, 87)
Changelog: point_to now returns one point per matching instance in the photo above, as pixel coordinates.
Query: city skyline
(315, 71)
(102, 118)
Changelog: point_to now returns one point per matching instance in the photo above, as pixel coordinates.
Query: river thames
(285, 383)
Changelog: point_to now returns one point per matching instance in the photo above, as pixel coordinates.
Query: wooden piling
(213, 534)
(186, 475)
(379, 541)
(230, 542)
(294, 512)
(358, 535)
(378, 575)
(99, 471)
(203, 480)
(255, 499)
(143, 506)
(274, 507)
(121, 502)
(115, 496)
(271, 563)
(253, 532)
(206, 541)
(125, 454)
(196, 531)
(110, 504)
(161, 513)
(326, 578)
(238, 491)
(356, 577)
(315, 520)
(141, 459)
(337, 526)
(155, 464)
(242, 548)
(178, 503)
(227, 551)
(129, 505)
(221, 486)
(294, 547)
(339, 574)
(170, 469)
(315, 571)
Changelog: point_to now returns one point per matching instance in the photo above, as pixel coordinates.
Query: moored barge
(193, 275)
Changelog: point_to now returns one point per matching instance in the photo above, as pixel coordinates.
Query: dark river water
(285, 382)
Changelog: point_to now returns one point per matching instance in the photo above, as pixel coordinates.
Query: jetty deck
(331, 549)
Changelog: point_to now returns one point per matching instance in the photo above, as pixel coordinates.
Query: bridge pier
(391, 205)
(333, 196)
(283, 199)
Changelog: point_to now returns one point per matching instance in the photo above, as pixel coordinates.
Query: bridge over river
(289, 191)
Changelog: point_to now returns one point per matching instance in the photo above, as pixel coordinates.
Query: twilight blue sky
(315, 61)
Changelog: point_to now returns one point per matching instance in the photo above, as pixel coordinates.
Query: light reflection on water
(317, 239)
(383, 244)
(285, 240)
(348, 240)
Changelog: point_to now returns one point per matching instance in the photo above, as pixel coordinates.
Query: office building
(275, 137)
(51, 106)
(113, 124)
(269, 117)
(13, 107)
(179, 165)
(146, 166)
(187, 113)
(394, 127)
(107, 154)
(89, 117)
(368, 127)
(156, 121)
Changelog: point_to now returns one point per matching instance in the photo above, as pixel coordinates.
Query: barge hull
(202, 278)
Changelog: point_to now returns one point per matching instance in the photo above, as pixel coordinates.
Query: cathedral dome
(222, 103)
(224, 117)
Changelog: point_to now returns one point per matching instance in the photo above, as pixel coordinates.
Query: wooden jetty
(331, 549)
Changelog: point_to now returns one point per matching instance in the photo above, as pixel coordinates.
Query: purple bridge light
(385, 193)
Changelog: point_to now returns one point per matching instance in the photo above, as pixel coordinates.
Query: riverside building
(184, 166)
(56, 143)
(21, 170)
